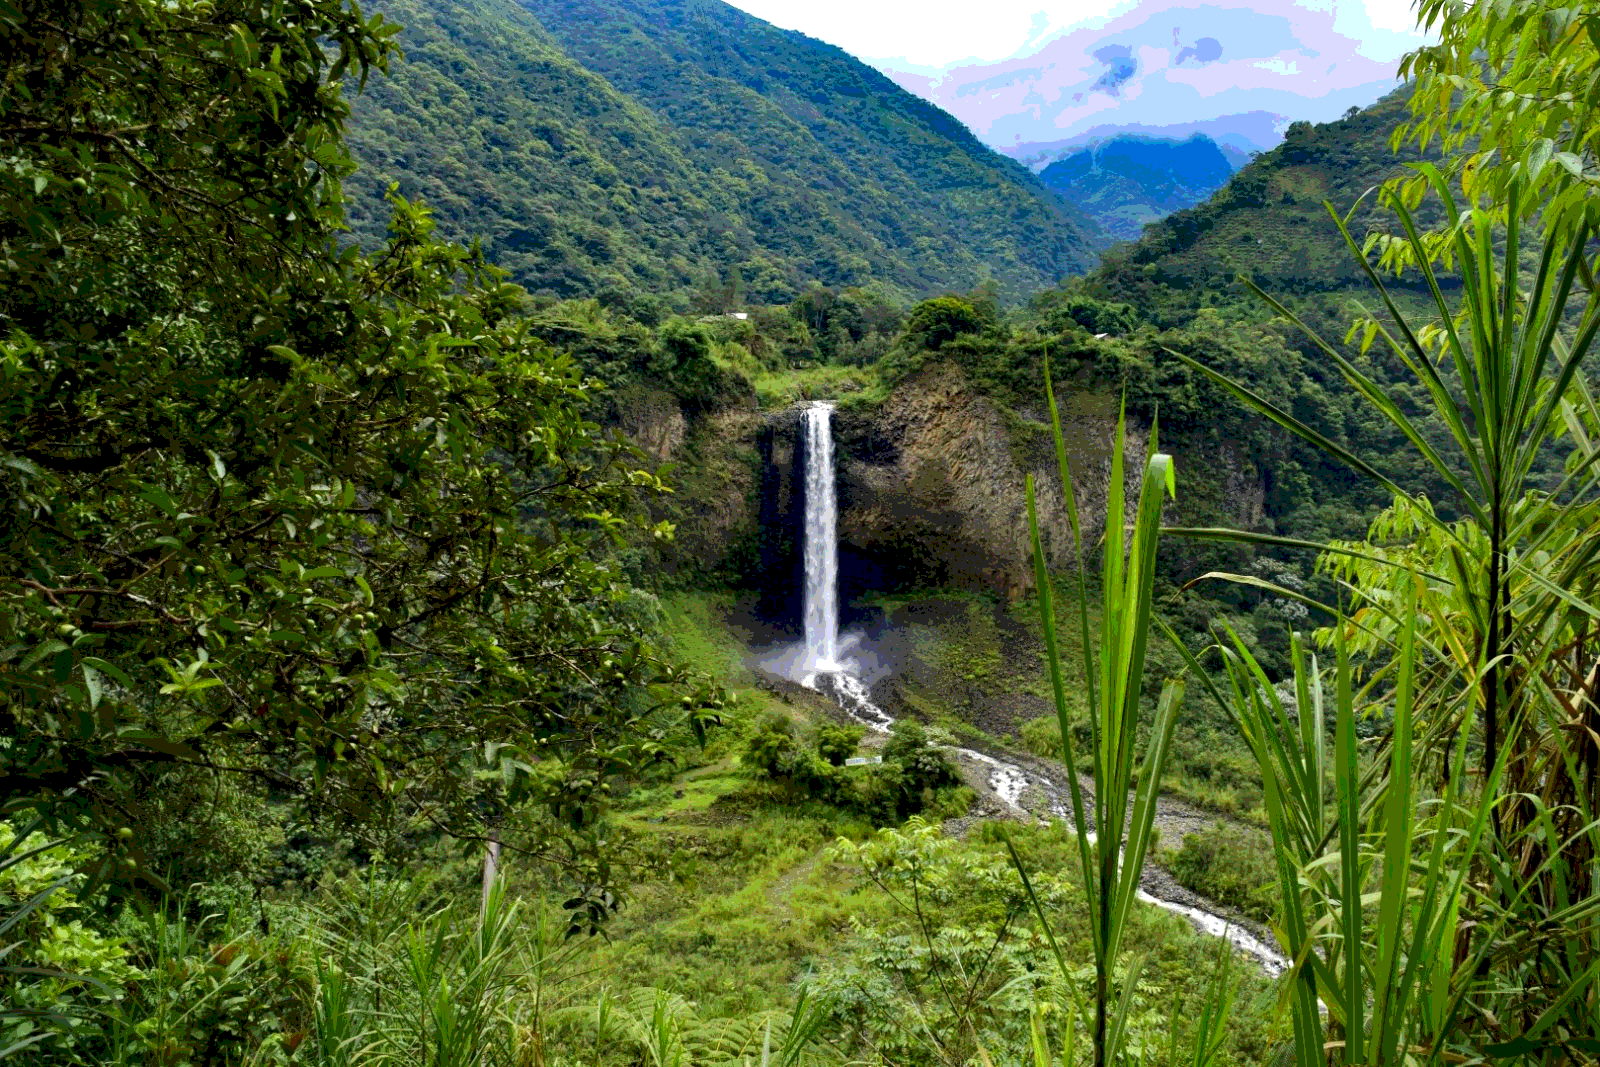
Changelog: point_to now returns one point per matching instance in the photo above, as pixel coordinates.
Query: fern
(665, 1030)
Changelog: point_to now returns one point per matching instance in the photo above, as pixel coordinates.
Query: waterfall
(822, 542)
(831, 667)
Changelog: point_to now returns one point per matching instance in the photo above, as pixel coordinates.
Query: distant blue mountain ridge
(1130, 180)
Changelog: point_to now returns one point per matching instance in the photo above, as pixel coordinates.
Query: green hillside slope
(1129, 181)
(663, 149)
(1269, 223)
(569, 185)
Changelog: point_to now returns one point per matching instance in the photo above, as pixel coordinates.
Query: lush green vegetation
(1268, 224)
(692, 154)
(325, 534)
(1230, 864)
(348, 672)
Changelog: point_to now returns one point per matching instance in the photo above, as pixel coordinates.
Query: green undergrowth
(747, 895)
(894, 935)
(740, 907)
(779, 380)
(743, 895)
(1232, 865)
(697, 626)
(850, 386)
(975, 665)
(773, 903)
(753, 888)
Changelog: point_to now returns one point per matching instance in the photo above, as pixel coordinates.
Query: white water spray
(822, 543)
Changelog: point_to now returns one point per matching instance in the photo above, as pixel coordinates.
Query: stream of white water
(824, 664)
(821, 544)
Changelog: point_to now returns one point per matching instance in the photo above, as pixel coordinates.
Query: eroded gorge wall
(930, 488)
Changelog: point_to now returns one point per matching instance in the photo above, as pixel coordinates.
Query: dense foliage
(1504, 95)
(694, 153)
(328, 529)
(912, 775)
(318, 564)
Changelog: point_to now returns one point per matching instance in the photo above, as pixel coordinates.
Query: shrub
(942, 319)
(915, 776)
(837, 742)
(1232, 865)
(60, 968)
(771, 747)
(924, 766)
(1042, 736)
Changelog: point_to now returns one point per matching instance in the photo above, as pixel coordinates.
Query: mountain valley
(655, 158)
(607, 533)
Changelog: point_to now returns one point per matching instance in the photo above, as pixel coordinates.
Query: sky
(912, 34)
(1033, 78)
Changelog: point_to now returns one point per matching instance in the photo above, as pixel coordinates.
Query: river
(1025, 786)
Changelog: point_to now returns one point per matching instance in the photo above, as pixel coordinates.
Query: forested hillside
(693, 153)
(1127, 182)
(1267, 223)
(1181, 666)
(1186, 278)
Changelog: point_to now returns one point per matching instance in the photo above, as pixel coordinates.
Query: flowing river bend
(825, 665)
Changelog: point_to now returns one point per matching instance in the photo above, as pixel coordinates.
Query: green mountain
(1268, 223)
(1127, 182)
(688, 149)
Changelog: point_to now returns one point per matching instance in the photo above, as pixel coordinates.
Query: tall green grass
(1437, 887)
(1112, 838)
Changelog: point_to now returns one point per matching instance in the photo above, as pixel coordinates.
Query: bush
(681, 359)
(1232, 865)
(771, 747)
(915, 773)
(62, 968)
(915, 776)
(923, 765)
(935, 322)
(837, 742)
(1063, 309)
(1042, 736)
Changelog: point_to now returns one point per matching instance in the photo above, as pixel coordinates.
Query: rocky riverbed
(1021, 786)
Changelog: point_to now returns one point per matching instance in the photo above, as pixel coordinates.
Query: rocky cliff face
(930, 488)
(935, 480)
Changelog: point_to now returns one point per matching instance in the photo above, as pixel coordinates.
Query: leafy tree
(207, 133)
(771, 747)
(1064, 308)
(934, 323)
(954, 969)
(682, 360)
(837, 742)
(1507, 94)
(331, 524)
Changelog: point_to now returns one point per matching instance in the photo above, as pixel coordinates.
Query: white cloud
(1278, 65)
(920, 34)
(928, 36)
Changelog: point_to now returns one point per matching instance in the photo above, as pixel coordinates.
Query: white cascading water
(822, 541)
(824, 666)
